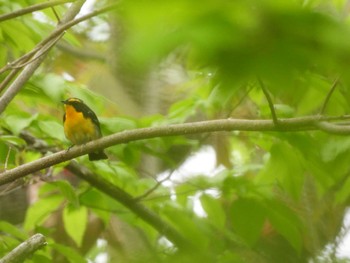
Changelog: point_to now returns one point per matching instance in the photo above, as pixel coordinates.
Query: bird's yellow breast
(77, 128)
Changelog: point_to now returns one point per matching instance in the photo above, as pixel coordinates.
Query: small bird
(81, 125)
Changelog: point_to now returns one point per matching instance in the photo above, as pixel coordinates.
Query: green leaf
(71, 255)
(10, 229)
(214, 210)
(40, 210)
(248, 217)
(335, 147)
(52, 128)
(53, 86)
(343, 194)
(67, 191)
(187, 224)
(39, 258)
(14, 140)
(17, 123)
(286, 223)
(75, 222)
(285, 166)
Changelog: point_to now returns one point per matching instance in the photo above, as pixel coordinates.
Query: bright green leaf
(40, 210)
(75, 222)
(17, 123)
(10, 229)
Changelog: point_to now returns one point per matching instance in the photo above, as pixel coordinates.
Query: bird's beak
(64, 101)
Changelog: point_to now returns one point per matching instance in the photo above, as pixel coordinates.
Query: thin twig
(155, 187)
(269, 101)
(33, 8)
(240, 101)
(56, 15)
(335, 83)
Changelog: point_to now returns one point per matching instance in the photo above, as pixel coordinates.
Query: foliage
(273, 197)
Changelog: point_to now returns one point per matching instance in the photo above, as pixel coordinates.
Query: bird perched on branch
(81, 125)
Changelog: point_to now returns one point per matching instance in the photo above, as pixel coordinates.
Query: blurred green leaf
(68, 191)
(12, 230)
(285, 167)
(286, 223)
(40, 210)
(75, 222)
(188, 225)
(16, 123)
(214, 210)
(14, 140)
(70, 254)
(247, 218)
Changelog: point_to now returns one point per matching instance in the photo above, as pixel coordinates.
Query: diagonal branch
(38, 54)
(308, 123)
(28, 71)
(128, 201)
(33, 8)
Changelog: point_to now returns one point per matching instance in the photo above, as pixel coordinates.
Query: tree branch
(284, 125)
(32, 8)
(25, 249)
(128, 201)
(38, 54)
(28, 71)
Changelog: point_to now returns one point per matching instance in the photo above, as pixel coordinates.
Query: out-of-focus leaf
(67, 191)
(286, 223)
(334, 147)
(247, 218)
(53, 86)
(214, 210)
(75, 222)
(70, 254)
(12, 230)
(40, 210)
(285, 167)
(14, 140)
(187, 225)
(52, 129)
(16, 123)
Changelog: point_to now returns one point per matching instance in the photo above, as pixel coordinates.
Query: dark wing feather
(87, 113)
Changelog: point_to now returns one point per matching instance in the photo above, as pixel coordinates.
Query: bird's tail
(94, 156)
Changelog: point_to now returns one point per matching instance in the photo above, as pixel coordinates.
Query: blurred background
(237, 196)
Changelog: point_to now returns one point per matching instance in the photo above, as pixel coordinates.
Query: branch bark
(25, 249)
(284, 125)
